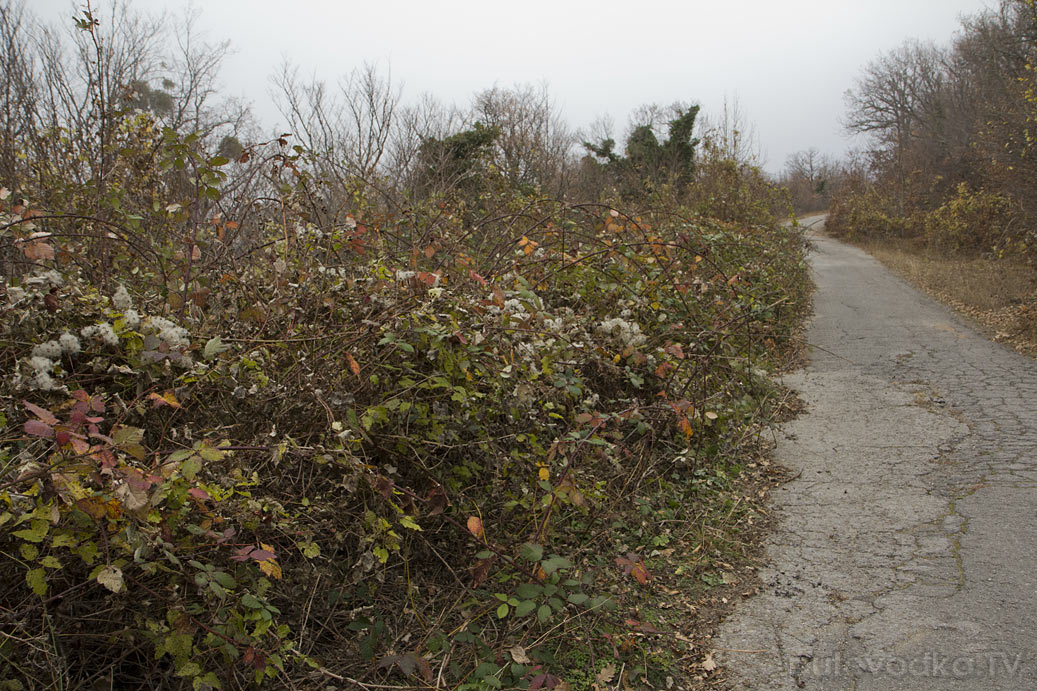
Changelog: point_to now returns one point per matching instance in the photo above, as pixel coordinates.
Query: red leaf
(641, 626)
(62, 438)
(35, 428)
(476, 277)
(545, 681)
(262, 555)
(199, 494)
(41, 413)
(242, 553)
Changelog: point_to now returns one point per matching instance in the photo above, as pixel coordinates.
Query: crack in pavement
(905, 555)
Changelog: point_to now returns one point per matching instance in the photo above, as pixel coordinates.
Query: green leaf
(250, 601)
(189, 669)
(37, 580)
(50, 562)
(29, 552)
(178, 456)
(211, 453)
(191, 467)
(126, 436)
(62, 540)
(224, 579)
(32, 535)
(544, 613)
(408, 522)
(529, 590)
(554, 563)
(207, 680)
(525, 607)
(578, 598)
(217, 161)
(503, 610)
(531, 552)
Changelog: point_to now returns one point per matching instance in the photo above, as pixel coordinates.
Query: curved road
(906, 552)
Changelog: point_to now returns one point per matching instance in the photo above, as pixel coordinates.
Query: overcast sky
(787, 62)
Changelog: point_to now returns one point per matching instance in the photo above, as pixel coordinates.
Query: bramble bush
(254, 450)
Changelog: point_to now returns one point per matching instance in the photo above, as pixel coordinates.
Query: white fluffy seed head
(122, 299)
(69, 343)
(41, 364)
(50, 350)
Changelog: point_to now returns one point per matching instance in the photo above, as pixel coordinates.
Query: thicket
(342, 412)
(951, 163)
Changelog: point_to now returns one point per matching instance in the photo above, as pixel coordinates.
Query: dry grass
(1000, 295)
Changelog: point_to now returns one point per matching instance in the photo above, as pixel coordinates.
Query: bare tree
(346, 133)
(18, 91)
(534, 145)
(899, 98)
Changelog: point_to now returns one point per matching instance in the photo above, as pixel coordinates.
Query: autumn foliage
(248, 441)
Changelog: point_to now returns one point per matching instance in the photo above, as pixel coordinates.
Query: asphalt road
(906, 552)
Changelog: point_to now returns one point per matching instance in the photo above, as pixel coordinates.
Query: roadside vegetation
(409, 397)
(945, 194)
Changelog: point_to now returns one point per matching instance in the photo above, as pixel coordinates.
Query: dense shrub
(245, 450)
(971, 222)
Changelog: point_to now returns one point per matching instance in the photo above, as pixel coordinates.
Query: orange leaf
(430, 252)
(167, 398)
(354, 367)
(475, 527)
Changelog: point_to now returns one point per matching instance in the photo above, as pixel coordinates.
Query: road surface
(906, 552)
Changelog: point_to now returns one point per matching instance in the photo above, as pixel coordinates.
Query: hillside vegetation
(949, 175)
(365, 405)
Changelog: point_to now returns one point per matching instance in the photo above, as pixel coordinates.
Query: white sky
(786, 62)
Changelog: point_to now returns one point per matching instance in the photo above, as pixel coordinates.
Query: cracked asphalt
(906, 550)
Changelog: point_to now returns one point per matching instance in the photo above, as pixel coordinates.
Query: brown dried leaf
(518, 654)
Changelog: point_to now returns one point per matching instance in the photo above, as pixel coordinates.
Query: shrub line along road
(906, 550)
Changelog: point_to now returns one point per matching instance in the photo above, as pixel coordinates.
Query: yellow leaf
(544, 474)
(270, 568)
